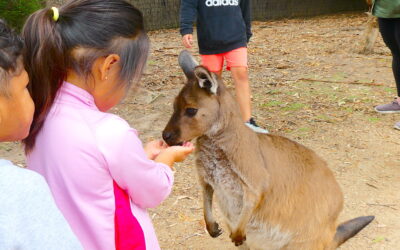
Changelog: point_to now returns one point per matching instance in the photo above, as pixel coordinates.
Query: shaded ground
(309, 84)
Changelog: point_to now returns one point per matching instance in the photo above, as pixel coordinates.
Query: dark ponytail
(46, 66)
(95, 28)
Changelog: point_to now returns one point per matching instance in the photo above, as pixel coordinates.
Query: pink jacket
(99, 174)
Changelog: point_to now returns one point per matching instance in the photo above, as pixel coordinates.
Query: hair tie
(56, 13)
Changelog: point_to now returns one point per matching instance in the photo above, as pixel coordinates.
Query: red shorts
(233, 58)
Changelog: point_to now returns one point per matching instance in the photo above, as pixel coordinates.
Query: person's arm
(246, 13)
(147, 182)
(188, 12)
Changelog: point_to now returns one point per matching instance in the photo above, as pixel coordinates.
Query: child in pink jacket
(81, 59)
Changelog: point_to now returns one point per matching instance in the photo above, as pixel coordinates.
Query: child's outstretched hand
(174, 154)
(154, 148)
(181, 152)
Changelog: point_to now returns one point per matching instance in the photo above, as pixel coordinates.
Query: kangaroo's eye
(190, 112)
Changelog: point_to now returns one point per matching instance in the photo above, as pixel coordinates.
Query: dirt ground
(310, 84)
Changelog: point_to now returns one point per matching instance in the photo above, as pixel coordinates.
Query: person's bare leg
(242, 87)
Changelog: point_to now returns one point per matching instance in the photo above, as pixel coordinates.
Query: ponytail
(45, 63)
(97, 28)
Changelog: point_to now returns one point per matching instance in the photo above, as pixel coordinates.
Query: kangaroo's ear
(206, 79)
(187, 63)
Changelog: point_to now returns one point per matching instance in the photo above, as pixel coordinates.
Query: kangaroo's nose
(166, 136)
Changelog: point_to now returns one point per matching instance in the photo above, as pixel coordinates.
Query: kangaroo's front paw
(238, 238)
(214, 230)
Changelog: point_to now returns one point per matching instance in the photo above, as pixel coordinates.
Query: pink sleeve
(147, 182)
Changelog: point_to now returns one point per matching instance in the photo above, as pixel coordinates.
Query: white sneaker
(253, 125)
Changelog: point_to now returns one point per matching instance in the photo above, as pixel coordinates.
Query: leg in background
(396, 56)
(391, 36)
(242, 88)
(389, 28)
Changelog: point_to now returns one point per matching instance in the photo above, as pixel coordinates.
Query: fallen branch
(371, 185)
(192, 235)
(181, 198)
(383, 205)
(343, 82)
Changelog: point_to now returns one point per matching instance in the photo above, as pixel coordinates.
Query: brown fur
(273, 192)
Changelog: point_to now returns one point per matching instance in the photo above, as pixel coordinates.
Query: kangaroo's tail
(348, 229)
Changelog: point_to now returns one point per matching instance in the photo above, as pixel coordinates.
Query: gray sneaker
(397, 125)
(393, 107)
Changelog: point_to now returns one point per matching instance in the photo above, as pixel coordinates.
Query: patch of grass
(300, 132)
(339, 76)
(273, 92)
(323, 117)
(290, 93)
(389, 90)
(349, 109)
(294, 106)
(304, 129)
(378, 239)
(273, 103)
(333, 98)
(151, 62)
(373, 119)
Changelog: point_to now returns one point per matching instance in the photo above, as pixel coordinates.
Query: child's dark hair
(11, 46)
(84, 31)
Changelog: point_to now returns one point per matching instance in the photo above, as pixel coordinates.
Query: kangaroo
(273, 192)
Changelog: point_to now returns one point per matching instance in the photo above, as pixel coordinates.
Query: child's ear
(108, 63)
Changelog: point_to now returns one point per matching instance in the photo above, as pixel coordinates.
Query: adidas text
(211, 3)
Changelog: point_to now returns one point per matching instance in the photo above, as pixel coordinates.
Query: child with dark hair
(29, 218)
(223, 31)
(81, 59)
